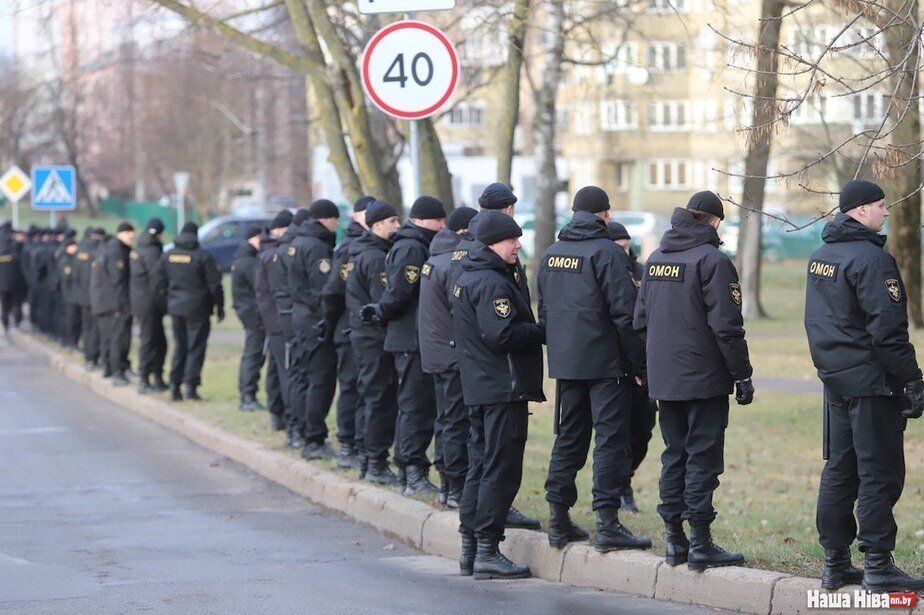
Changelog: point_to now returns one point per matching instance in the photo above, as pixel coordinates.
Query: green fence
(139, 212)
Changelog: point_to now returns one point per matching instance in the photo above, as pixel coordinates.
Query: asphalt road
(102, 511)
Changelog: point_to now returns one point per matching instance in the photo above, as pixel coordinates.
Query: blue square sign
(54, 188)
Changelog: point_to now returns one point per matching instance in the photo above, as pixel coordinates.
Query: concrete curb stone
(633, 572)
(735, 588)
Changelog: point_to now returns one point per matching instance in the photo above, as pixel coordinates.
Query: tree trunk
(750, 234)
(510, 99)
(547, 182)
(435, 179)
(905, 219)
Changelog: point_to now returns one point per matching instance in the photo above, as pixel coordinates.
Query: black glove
(371, 314)
(744, 392)
(914, 393)
(320, 329)
(221, 313)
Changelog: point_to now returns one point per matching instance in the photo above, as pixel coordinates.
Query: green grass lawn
(766, 502)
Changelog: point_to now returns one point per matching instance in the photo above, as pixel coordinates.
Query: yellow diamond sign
(15, 184)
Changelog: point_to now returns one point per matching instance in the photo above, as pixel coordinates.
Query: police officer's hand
(744, 391)
(370, 314)
(221, 313)
(320, 329)
(914, 393)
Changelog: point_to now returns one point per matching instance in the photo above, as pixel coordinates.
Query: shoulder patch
(822, 271)
(457, 291)
(133, 255)
(383, 279)
(291, 251)
(895, 290)
(734, 289)
(502, 307)
(426, 269)
(459, 255)
(571, 264)
(324, 266)
(665, 272)
(120, 264)
(345, 270)
(411, 274)
(67, 270)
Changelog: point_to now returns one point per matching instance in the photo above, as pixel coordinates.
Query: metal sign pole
(53, 218)
(16, 214)
(415, 153)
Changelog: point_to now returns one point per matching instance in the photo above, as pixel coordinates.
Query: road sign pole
(52, 218)
(415, 161)
(16, 215)
(181, 183)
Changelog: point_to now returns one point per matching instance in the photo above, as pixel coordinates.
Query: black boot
(119, 379)
(345, 456)
(400, 476)
(380, 473)
(838, 570)
(454, 496)
(418, 481)
(490, 563)
(294, 439)
(444, 489)
(90, 366)
(249, 403)
(190, 393)
(175, 393)
(316, 450)
(678, 547)
(706, 554)
(612, 535)
(277, 422)
(159, 385)
(517, 519)
(362, 465)
(882, 575)
(561, 529)
(144, 385)
(627, 501)
(467, 559)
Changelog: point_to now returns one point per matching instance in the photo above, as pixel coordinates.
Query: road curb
(435, 531)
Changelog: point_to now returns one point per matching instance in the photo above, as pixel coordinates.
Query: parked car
(221, 236)
(780, 240)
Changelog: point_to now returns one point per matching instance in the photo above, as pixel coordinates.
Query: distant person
(244, 302)
(149, 306)
(110, 298)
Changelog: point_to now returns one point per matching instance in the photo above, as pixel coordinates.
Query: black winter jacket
(434, 316)
(498, 342)
(12, 279)
(405, 260)
(67, 274)
(193, 281)
(586, 301)
(244, 285)
(309, 265)
(366, 282)
(334, 293)
(148, 283)
(109, 290)
(856, 314)
(689, 305)
(273, 323)
(279, 278)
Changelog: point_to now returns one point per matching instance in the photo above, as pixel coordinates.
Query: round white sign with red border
(410, 69)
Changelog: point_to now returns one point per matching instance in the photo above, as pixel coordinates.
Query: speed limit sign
(410, 69)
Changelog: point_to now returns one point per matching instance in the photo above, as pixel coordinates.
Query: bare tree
(510, 100)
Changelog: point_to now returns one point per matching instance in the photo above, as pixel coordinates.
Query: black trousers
(277, 392)
(865, 468)
(116, 342)
(416, 409)
(248, 373)
(496, 443)
(313, 369)
(378, 390)
(694, 457)
(7, 303)
(190, 340)
(152, 347)
(89, 333)
(454, 425)
(588, 407)
(72, 325)
(348, 400)
(641, 424)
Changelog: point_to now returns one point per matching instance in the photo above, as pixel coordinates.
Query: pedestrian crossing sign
(54, 188)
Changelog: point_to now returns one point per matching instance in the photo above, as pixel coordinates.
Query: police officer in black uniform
(437, 357)
(689, 305)
(274, 324)
(337, 320)
(83, 264)
(43, 281)
(67, 279)
(149, 306)
(586, 303)
(12, 280)
(244, 302)
(109, 294)
(499, 348)
(857, 325)
(309, 265)
(644, 409)
(194, 292)
(378, 383)
(398, 308)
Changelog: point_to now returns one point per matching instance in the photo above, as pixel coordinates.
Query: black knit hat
(362, 203)
(190, 227)
(155, 226)
(427, 208)
(377, 211)
(253, 231)
(460, 218)
(591, 199)
(282, 219)
(300, 216)
(496, 196)
(707, 202)
(617, 231)
(323, 208)
(99, 231)
(70, 233)
(124, 226)
(859, 192)
(494, 227)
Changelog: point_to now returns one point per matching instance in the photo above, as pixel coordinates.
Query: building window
(869, 107)
(664, 57)
(618, 115)
(583, 118)
(466, 114)
(811, 111)
(808, 43)
(667, 115)
(666, 6)
(621, 171)
(618, 59)
(668, 174)
(864, 43)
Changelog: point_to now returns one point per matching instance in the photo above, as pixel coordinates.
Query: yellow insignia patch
(734, 289)
(179, 259)
(502, 307)
(457, 291)
(120, 264)
(324, 266)
(83, 256)
(291, 251)
(67, 270)
(895, 290)
(383, 279)
(427, 268)
(411, 274)
(133, 255)
(345, 270)
(6, 258)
